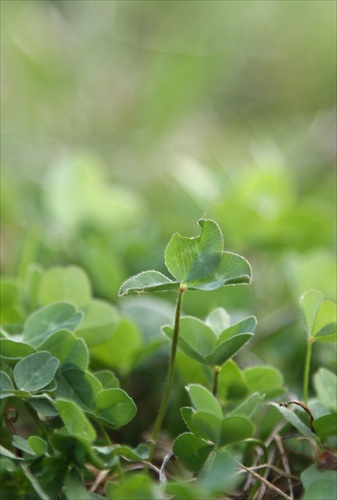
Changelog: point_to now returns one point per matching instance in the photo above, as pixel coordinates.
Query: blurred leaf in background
(123, 122)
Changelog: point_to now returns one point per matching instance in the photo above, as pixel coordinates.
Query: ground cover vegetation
(168, 250)
(239, 434)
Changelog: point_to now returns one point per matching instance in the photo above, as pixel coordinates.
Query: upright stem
(307, 371)
(170, 375)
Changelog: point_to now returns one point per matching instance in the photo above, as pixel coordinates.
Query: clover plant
(198, 263)
(66, 389)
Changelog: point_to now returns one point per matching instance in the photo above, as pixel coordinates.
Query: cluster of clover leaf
(199, 263)
(46, 370)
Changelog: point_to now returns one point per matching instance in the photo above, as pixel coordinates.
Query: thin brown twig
(278, 471)
(100, 478)
(285, 463)
(305, 408)
(261, 493)
(265, 482)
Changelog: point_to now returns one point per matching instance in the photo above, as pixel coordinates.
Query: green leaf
(43, 405)
(265, 380)
(196, 339)
(185, 491)
(325, 383)
(310, 303)
(294, 420)
(6, 386)
(203, 400)
(147, 281)
(65, 284)
(74, 488)
(223, 431)
(69, 350)
(199, 263)
(121, 351)
(22, 444)
(248, 407)
(221, 475)
(107, 379)
(35, 371)
(191, 451)
(99, 323)
(9, 292)
(74, 420)
(206, 426)
(236, 428)
(326, 426)
(115, 407)
(325, 326)
(191, 259)
(134, 455)
(137, 487)
(187, 413)
(227, 349)
(11, 349)
(232, 270)
(10, 311)
(231, 382)
(21, 394)
(150, 314)
(80, 387)
(73, 449)
(325, 489)
(320, 484)
(319, 316)
(38, 445)
(218, 320)
(48, 320)
(8, 454)
(247, 325)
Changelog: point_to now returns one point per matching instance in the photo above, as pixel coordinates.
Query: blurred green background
(125, 121)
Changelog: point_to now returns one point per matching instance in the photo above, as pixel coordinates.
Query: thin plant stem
(307, 371)
(105, 434)
(170, 375)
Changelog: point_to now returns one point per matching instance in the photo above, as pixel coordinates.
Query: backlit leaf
(191, 259)
(218, 320)
(233, 269)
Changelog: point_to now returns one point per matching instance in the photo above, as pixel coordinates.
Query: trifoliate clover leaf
(197, 263)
